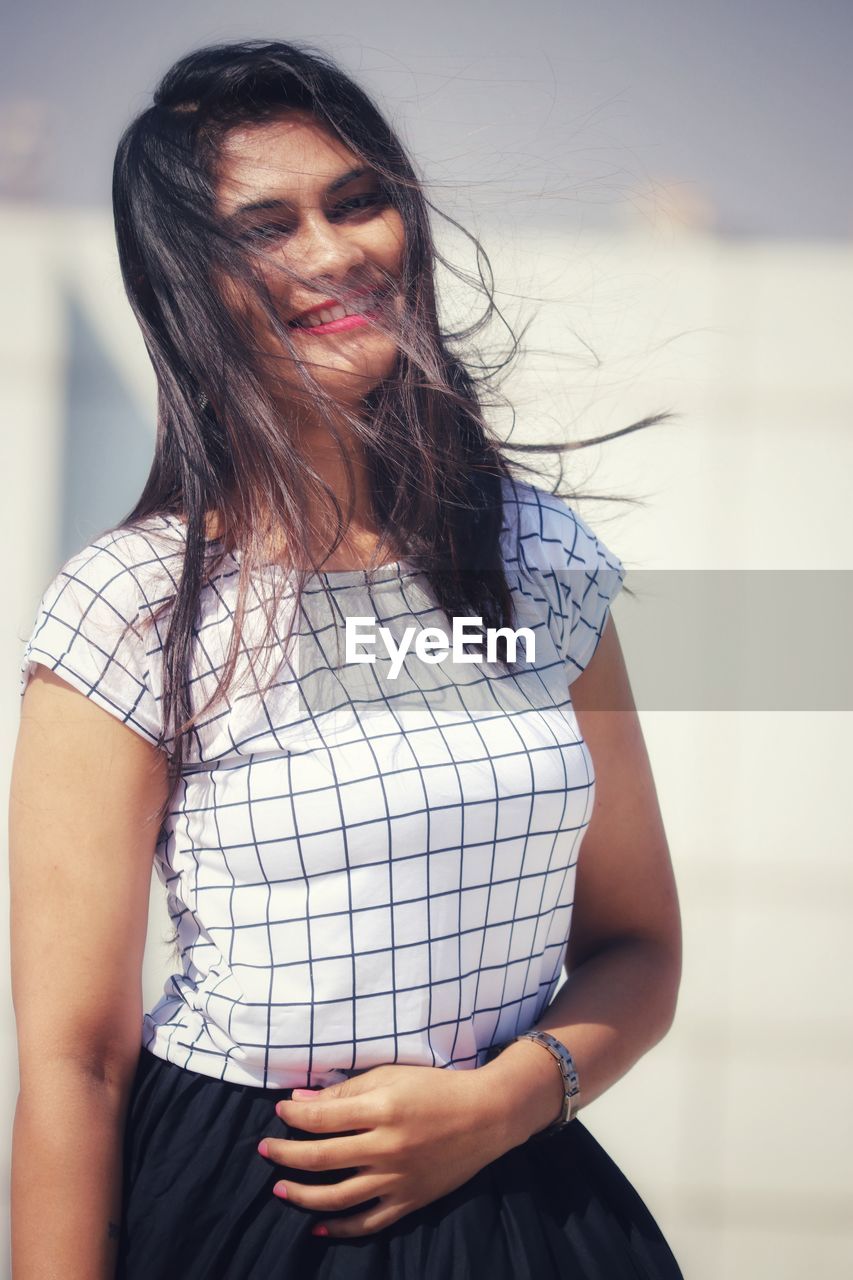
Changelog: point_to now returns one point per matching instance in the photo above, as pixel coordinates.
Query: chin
(348, 384)
(354, 381)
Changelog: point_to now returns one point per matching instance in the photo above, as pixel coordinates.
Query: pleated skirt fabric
(197, 1203)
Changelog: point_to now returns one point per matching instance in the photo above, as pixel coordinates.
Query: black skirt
(197, 1203)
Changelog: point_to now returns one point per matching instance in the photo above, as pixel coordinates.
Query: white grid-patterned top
(361, 869)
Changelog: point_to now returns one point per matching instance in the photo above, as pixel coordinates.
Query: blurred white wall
(737, 1129)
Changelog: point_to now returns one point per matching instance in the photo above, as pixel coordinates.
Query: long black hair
(222, 445)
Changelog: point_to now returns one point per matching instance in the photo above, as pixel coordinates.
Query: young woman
(370, 844)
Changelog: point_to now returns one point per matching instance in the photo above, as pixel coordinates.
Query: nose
(323, 250)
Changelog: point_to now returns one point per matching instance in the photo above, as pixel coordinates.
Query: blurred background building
(688, 249)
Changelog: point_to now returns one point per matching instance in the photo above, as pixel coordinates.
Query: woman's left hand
(412, 1133)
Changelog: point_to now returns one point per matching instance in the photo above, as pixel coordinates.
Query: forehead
(293, 156)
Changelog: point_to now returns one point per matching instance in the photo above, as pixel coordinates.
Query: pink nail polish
(320, 1230)
(263, 1148)
(281, 1192)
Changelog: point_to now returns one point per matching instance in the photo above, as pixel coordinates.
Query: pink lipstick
(344, 322)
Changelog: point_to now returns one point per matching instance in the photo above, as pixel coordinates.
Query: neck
(325, 456)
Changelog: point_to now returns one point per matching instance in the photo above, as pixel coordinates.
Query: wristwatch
(568, 1072)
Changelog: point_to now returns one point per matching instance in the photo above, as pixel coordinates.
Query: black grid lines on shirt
(323, 667)
(372, 819)
(362, 870)
(86, 630)
(579, 574)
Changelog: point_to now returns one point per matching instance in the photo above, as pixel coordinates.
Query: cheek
(250, 311)
(386, 240)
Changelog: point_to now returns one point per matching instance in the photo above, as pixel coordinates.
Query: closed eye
(355, 204)
(267, 231)
(372, 198)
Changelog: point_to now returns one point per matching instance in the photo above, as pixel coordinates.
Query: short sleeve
(86, 629)
(578, 576)
(590, 576)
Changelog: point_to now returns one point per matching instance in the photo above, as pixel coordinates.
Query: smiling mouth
(367, 307)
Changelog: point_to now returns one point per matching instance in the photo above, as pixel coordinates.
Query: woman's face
(326, 217)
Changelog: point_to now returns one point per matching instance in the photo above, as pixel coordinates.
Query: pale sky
(550, 109)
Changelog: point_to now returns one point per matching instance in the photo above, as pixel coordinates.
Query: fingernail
(302, 1093)
(263, 1148)
(320, 1230)
(280, 1191)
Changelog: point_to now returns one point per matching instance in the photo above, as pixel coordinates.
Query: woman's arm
(624, 952)
(83, 823)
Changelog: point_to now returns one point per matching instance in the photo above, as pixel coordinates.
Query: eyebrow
(274, 202)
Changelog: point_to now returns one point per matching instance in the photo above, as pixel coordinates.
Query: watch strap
(569, 1074)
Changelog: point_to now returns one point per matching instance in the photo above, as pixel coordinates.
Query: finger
(359, 1224)
(331, 1115)
(326, 1153)
(329, 1198)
